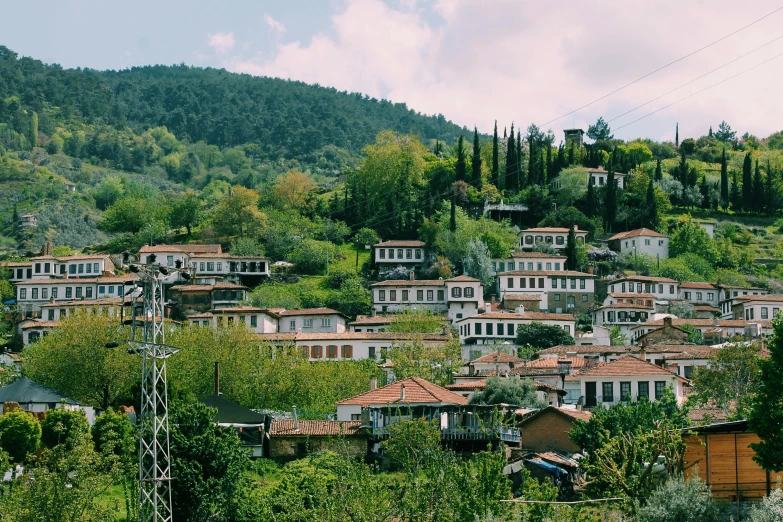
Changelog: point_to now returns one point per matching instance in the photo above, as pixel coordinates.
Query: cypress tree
(15, 216)
(658, 171)
(34, 130)
(704, 189)
(495, 155)
(531, 160)
(476, 163)
(682, 170)
(769, 192)
(610, 201)
(758, 189)
(724, 182)
(511, 162)
(710, 133)
(453, 220)
(652, 206)
(747, 183)
(520, 172)
(590, 202)
(677, 135)
(570, 249)
(460, 169)
(736, 203)
(549, 171)
(437, 150)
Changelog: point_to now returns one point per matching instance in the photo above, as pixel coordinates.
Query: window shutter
(347, 351)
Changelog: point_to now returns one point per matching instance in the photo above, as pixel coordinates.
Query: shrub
(770, 509)
(310, 256)
(20, 434)
(680, 500)
(63, 426)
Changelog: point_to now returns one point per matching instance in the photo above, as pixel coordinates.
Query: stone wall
(289, 448)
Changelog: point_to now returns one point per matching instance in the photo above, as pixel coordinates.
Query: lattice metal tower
(154, 454)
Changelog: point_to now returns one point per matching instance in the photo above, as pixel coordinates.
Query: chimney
(667, 321)
(372, 312)
(411, 276)
(487, 307)
(591, 269)
(217, 378)
(492, 300)
(642, 354)
(521, 309)
(373, 383)
(402, 393)
(296, 418)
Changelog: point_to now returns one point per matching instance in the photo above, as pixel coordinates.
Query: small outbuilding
(37, 398)
(291, 439)
(250, 426)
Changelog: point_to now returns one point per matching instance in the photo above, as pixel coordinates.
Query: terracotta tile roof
(16, 263)
(625, 365)
(189, 248)
(636, 233)
(408, 282)
(722, 323)
(543, 386)
(523, 297)
(464, 279)
(223, 284)
(207, 288)
(202, 315)
(527, 371)
(530, 316)
(372, 320)
(598, 348)
(573, 414)
(768, 297)
(497, 357)
(706, 308)
(310, 311)
(602, 171)
(626, 305)
(619, 295)
(647, 279)
(401, 243)
(348, 336)
(238, 309)
(77, 280)
(417, 391)
(675, 347)
(86, 302)
(552, 230)
(467, 386)
(78, 257)
(37, 323)
(534, 255)
(310, 428)
(736, 287)
(561, 273)
(698, 285)
(551, 362)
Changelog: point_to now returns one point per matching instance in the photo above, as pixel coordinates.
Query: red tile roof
(648, 279)
(551, 362)
(767, 297)
(698, 285)
(187, 248)
(552, 229)
(16, 263)
(561, 273)
(310, 428)
(310, 311)
(497, 357)
(722, 323)
(598, 348)
(573, 414)
(372, 320)
(626, 305)
(348, 336)
(401, 243)
(207, 288)
(408, 282)
(625, 365)
(636, 233)
(417, 391)
(530, 316)
(468, 386)
(534, 255)
(464, 278)
(37, 323)
(523, 297)
(620, 295)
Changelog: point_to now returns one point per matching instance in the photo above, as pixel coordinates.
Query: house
(547, 429)
(662, 289)
(682, 359)
(667, 332)
(529, 302)
(28, 221)
(78, 266)
(236, 269)
(33, 329)
(293, 439)
(493, 327)
(371, 323)
(553, 236)
(547, 393)
(594, 353)
(315, 320)
(521, 260)
(763, 307)
(58, 310)
(640, 241)
(259, 320)
(717, 330)
(699, 293)
(188, 299)
(708, 226)
(560, 291)
(622, 314)
(32, 294)
(497, 362)
(626, 378)
(553, 371)
(354, 346)
(458, 297)
(249, 425)
(575, 137)
(599, 335)
(388, 255)
(598, 177)
(37, 398)
(18, 270)
(730, 296)
(720, 454)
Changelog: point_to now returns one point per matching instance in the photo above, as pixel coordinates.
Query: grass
(114, 497)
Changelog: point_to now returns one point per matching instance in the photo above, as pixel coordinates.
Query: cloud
(221, 42)
(531, 62)
(275, 25)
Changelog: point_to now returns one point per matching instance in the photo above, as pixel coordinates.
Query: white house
(493, 327)
(554, 236)
(626, 379)
(597, 176)
(521, 260)
(228, 266)
(33, 293)
(662, 288)
(33, 329)
(623, 315)
(641, 241)
(719, 329)
(37, 398)
(563, 290)
(599, 335)
(388, 255)
(78, 266)
(312, 320)
(498, 362)
(354, 346)
(465, 296)
(259, 320)
(459, 297)
(371, 323)
(731, 299)
(699, 293)
(18, 270)
(761, 307)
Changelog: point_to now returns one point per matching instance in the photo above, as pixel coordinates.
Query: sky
(474, 62)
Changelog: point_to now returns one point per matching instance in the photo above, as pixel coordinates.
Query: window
(68, 292)
(646, 242)
(573, 284)
(502, 266)
(382, 253)
(254, 320)
(687, 371)
(710, 296)
(522, 282)
(528, 240)
(659, 387)
(102, 289)
(764, 312)
(316, 352)
(79, 290)
(210, 266)
(292, 325)
(418, 253)
(539, 266)
(381, 295)
(509, 329)
(567, 328)
(608, 391)
(511, 282)
(557, 266)
(557, 297)
(35, 293)
(371, 352)
(660, 242)
(170, 260)
(326, 322)
(540, 282)
(44, 293)
(456, 292)
(331, 351)
(511, 265)
(638, 288)
(346, 352)
(530, 266)
(430, 294)
(54, 292)
(420, 295)
(584, 298)
(404, 295)
(119, 290)
(549, 266)
(399, 253)
(307, 323)
(469, 291)
(478, 328)
(23, 293)
(72, 269)
(81, 268)
(441, 295)
(391, 253)
(660, 289)
(490, 329)
(51, 315)
(559, 240)
(671, 289)
(88, 292)
(623, 288)
(89, 268)
(554, 283)
(95, 268)
(698, 296)
(581, 284)
(392, 295)
(625, 391)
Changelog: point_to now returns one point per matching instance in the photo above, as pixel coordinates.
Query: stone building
(293, 439)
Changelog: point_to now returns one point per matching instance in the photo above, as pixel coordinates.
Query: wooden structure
(721, 456)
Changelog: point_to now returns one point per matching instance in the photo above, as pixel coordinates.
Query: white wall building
(493, 327)
(78, 266)
(553, 236)
(388, 255)
(597, 176)
(530, 261)
(761, 307)
(699, 293)
(731, 299)
(31, 294)
(459, 297)
(641, 241)
(312, 320)
(560, 291)
(623, 316)
(662, 288)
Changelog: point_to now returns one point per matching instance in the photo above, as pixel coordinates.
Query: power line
(662, 68)
(695, 79)
(701, 90)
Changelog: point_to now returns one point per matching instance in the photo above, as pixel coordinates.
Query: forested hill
(287, 119)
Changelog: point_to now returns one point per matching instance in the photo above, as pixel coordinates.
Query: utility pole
(154, 453)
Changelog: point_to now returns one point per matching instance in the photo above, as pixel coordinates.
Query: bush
(680, 500)
(310, 256)
(770, 509)
(63, 426)
(20, 434)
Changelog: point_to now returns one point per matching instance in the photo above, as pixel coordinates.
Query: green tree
(725, 134)
(736, 197)
(747, 183)
(434, 363)
(33, 130)
(310, 256)
(364, 237)
(652, 207)
(132, 214)
(107, 192)
(610, 201)
(66, 427)
(570, 249)
(590, 200)
(476, 162)
(495, 164)
(187, 211)
(416, 321)
(692, 238)
(724, 182)
(600, 131)
(677, 135)
(237, 214)
(658, 170)
(508, 391)
(20, 435)
(412, 443)
(478, 263)
(460, 169)
(510, 178)
(758, 189)
(765, 416)
(539, 335)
